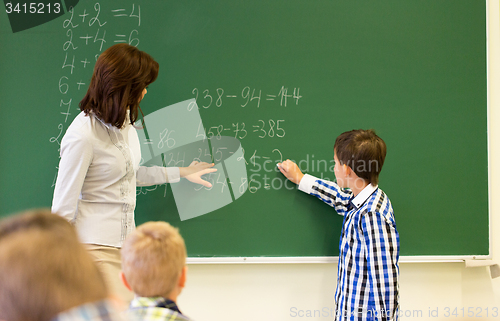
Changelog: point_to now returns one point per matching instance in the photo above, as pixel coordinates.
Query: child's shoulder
(379, 202)
(377, 212)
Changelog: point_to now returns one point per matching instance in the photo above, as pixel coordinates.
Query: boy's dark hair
(363, 151)
(120, 75)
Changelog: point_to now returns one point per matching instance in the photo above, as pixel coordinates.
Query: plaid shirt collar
(363, 195)
(159, 302)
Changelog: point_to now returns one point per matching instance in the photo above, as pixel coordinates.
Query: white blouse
(96, 182)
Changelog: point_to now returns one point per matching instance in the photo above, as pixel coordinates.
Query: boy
(368, 270)
(154, 268)
(46, 274)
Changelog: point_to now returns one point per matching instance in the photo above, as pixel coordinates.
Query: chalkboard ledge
(328, 259)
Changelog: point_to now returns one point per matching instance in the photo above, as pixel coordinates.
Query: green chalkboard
(283, 79)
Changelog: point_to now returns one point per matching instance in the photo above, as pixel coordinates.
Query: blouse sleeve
(155, 175)
(76, 157)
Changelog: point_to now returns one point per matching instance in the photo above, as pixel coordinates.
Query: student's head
(363, 151)
(154, 260)
(44, 269)
(121, 75)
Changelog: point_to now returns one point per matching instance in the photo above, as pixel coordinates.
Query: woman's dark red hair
(120, 75)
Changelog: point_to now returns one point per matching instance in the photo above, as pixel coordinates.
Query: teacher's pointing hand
(196, 170)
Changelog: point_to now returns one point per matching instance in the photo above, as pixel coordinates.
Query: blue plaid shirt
(368, 269)
(155, 309)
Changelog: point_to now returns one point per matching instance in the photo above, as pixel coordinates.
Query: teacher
(100, 159)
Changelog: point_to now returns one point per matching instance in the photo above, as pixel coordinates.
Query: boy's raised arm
(328, 192)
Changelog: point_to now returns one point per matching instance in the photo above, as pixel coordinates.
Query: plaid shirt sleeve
(381, 243)
(328, 192)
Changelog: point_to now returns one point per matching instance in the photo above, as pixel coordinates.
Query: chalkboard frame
(158, 98)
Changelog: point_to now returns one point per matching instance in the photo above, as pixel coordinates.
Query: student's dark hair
(120, 75)
(363, 151)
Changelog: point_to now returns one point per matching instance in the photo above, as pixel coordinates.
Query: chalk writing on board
(261, 165)
(261, 129)
(56, 139)
(182, 143)
(87, 31)
(216, 179)
(165, 138)
(209, 98)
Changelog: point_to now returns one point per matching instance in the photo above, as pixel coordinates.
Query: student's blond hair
(153, 257)
(44, 269)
